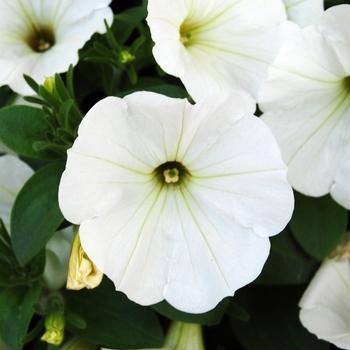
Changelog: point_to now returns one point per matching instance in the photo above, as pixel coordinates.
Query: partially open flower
(307, 106)
(325, 305)
(82, 272)
(176, 201)
(218, 45)
(43, 38)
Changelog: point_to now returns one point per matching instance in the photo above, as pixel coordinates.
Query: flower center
(171, 172)
(185, 34)
(346, 83)
(41, 39)
(171, 175)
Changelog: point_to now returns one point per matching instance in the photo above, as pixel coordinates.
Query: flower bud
(82, 272)
(54, 325)
(49, 84)
(126, 57)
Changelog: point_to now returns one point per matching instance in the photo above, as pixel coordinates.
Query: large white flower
(307, 106)
(325, 306)
(304, 12)
(218, 45)
(42, 37)
(176, 201)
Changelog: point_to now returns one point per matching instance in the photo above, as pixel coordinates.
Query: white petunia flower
(218, 45)
(325, 305)
(307, 106)
(304, 12)
(176, 201)
(13, 175)
(42, 37)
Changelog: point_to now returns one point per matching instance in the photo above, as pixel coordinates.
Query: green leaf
(273, 320)
(112, 320)
(6, 96)
(287, 262)
(32, 83)
(61, 89)
(22, 126)
(318, 224)
(11, 274)
(16, 305)
(35, 214)
(209, 318)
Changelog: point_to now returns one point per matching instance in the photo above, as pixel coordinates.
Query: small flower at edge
(325, 305)
(82, 272)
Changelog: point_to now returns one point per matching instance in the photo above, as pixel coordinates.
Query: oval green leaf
(318, 224)
(35, 214)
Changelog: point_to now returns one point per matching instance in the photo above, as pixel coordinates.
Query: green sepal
(318, 224)
(32, 83)
(35, 214)
(16, 305)
(209, 318)
(52, 100)
(75, 320)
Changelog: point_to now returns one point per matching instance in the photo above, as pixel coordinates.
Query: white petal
(225, 51)
(236, 164)
(13, 174)
(304, 12)
(307, 107)
(326, 303)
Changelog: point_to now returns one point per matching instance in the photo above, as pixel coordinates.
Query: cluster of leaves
(263, 315)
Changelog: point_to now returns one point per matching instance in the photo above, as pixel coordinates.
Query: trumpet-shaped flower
(42, 37)
(304, 12)
(307, 106)
(218, 45)
(325, 305)
(176, 201)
